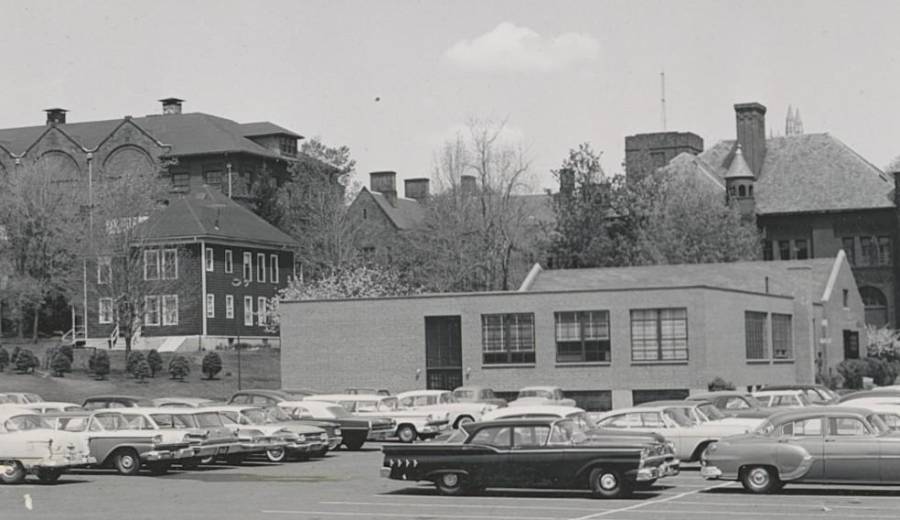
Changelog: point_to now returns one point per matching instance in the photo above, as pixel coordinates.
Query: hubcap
(608, 481)
(465, 420)
(9, 470)
(127, 462)
(276, 454)
(451, 480)
(759, 477)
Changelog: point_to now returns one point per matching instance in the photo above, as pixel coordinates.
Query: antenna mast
(662, 84)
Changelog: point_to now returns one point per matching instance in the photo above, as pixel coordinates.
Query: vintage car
(28, 445)
(183, 402)
(443, 401)
(219, 442)
(816, 394)
(260, 397)
(734, 404)
(880, 394)
(781, 398)
(51, 406)
(706, 412)
(531, 395)
(478, 394)
(19, 398)
(333, 433)
(821, 444)
(367, 391)
(354, 430)
(534, 411)
(125, 443)
(97, 402)
(530, 453)
(410, 424)
(300, 441)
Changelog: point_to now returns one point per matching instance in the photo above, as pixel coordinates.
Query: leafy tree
(154, 360)
(853, 371)
(212, 364)
(100, 365)
(882, 372)
(132, 360)
(26, 361)
(4, 359)
(719, 384)
(883, 342)
(60, 364)
(15, 355)
(179, 367)
(141, 370)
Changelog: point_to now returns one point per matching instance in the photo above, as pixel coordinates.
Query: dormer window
(288, 145)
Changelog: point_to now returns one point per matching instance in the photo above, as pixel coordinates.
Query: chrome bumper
(157, 455)
(710, 472)
(380, 435)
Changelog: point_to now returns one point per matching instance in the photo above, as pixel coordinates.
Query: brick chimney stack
(751, 134)
(386, 184)
(468, 185)
(171, 105)
(56, 116)
(417, 189)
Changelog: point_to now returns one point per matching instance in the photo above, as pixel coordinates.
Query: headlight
(671, 446)
(337, 431)
(323, 436)
(301, 438)
(157, 439)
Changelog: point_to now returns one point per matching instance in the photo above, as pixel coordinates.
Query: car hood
(624, 437)
(530, 401)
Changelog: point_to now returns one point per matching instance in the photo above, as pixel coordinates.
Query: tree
(141, 370)
(100, 365)
(719, 384)
(883, 342)
(132, 360)
(154, 360)
(212, 364)
(60, 364)
(26, 362)
(179, 367)
(853, 371)
(4, 359)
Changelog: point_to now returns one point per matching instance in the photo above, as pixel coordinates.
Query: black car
(355, 430)
(96, 402)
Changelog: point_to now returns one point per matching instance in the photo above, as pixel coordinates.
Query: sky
(394, 79)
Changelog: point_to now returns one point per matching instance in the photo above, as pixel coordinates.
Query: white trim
(248, 311)
(156, 307)
(203, 291)
(174, 253)
(261, 304)
(164, 308)
(210, 305)
(100, 319)
(157, 263)
(104, 261)
(832, 278)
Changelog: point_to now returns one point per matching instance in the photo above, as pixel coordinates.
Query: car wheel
(606, 483)
(407, 433)
(208, 460)
(236, 459)
(49, 475)
(354, 445)
(127, 462)
(159, 468)
(13, 473)
(465, 419)
(276, 455)
(450, 484)
(190, 464)
(760, 479)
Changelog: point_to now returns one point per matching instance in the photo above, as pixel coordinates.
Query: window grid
(248, 311)
(273, 268)
(755, 324)
(210, 305)
(210, 263)
(659, 335)
(105, 310)
(582, 336)
(151, 310)
(261, 317)
(104, 270)
(170, 309)
(507, 338)
(260, 267)
(782, 340)
(229, 306)
(248, 266)
(229, 261)
(170, 264)
(151, 264)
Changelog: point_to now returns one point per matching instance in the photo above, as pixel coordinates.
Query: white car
(689, 436)
(51, 406)
(411, 424)
(781, 398)
(531, 395)
(28, 444)
(443, 401)
(296, 441)
(19, 398)
(535, 411)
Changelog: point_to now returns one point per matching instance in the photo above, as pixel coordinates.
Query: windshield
(72, 424)
(338, 411)
(256, 415)
(712, 412)
(229, 418)
(564, 431)
(464, 394)
(168, 421)
(458, 436)
(276, 414)
(678, 416)
(765, 428)
(885, 422)
(26, 422)
(208, 420)
(544, 394)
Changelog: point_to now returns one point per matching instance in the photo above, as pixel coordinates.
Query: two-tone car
(271, 398)
(819, 445)
(531, 395)
(443, 401)
(354, 430)
(478, 394)
(410, 424)
(706, 412)
(97, 402)
(297, 441)
(29, 445)
(528, 453)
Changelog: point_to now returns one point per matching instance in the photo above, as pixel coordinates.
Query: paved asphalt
(346, 485)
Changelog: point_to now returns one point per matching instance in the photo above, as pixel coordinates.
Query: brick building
(810, 194)
(608, 337)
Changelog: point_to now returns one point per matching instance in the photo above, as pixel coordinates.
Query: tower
(739, 181)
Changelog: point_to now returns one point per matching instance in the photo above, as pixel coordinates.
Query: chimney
(386, 184)
(416, 189)
(566, 182)
(467, 185)
(751, 134)
(56, 116)
(171, 105)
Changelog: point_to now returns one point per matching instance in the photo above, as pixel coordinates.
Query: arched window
(749, 191)
(742, 191)
(876, 306)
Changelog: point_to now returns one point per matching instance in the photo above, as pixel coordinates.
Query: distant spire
(798, 122)
(793, 125)
(789, 121)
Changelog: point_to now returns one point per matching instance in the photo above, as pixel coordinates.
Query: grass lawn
(259, 369)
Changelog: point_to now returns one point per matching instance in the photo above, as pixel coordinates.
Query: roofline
(889, 207)
(192, 239)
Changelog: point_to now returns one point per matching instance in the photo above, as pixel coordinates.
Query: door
(531, 463)
(443, 352)
(797, 440)
(851, 344)
(851, 451)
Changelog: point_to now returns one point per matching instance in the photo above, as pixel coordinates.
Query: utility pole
(662, 85)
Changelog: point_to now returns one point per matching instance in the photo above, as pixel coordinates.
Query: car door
(487, 456)
(531, 462)
(797, 440)
(851, 451)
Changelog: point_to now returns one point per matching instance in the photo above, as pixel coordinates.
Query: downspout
(203, 283)
(90, 165)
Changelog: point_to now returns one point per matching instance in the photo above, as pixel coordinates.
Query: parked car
(881, 394)
(299, 393)
(28, 445)
(734, 404)
(354, 430)
(260, 397)
(535, 411)
(531, 395)
(126, 444)
(19, 398)
(219, 441)
(530, 453)
(367, 391)
(478, 394)
(823, 445)
(706, 412)
(816, 394)
(781, 398)
(443, 401)
(333, 433)
(51, 406)
(183, 402)
(97, 402)
(410, 424)
(300, 440)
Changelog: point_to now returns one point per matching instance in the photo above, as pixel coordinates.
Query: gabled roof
(209, 214)
(406, 214)
(261, 128)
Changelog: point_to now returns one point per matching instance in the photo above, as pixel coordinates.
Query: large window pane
(659, 334)
(582, 336)
(507, 338)
(756, 335)
(782, 337)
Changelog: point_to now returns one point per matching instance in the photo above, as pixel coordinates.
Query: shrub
(26, 361)
(133, 359)
(4, 359)
(881, 372)
(141, 370)
(719, 384)
(831, 380)
(155, 362)
(67, 351)
(212, 364)
(853, 371)
(179, 368)
(15, 355)
(100, 364)
(60, 364)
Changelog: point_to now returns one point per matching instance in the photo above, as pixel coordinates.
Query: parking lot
(346, 485)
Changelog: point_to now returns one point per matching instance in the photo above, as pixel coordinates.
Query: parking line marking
(788, 504)
(756, 513)
(650, 502)
(406, 515)
(471, 506)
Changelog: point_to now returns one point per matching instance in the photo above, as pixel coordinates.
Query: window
(784, 249)
(170, 264)
(181, 181)
(782, 340)
(212, 177)
(106, 310)
(210, 264)
(248, 266)
(876, 306)
(767, 250)
(229, 261)
(151, 310)
(742, 191)
(847, 426)
(802, 249)
(869, 251)
(507, 338)
(170, 309)
(530, 436)
(849, 244)
(151, 264)
(846, 298)
(229, 306)
(248, 311)
(659, 335)
(104, 270)
(803, 428)
(884, 250)
(582, 336)
(260, 267)
(756, 334)
(498, 437)
(210, 305)
(262, 318)
(273, 268)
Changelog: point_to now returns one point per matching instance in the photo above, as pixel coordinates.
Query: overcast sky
(392, 79)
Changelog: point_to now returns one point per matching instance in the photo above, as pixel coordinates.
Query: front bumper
(433, 429)
(386, 472)
(669, 468)
(334, 442)
(216, 450)
(710, 472)
(157, 455)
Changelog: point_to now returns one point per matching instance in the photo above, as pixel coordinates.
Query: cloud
(509, 47)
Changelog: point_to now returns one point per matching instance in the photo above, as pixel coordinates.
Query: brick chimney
(171, 105)
(468, 185)
(386, 184)
(751, 134)
(56, 116)
(416, 189)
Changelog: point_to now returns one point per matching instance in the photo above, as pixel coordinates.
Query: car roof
(794, 387)
(229, 407)
(706, 396)
(550, 388)
(116, 397)
(422, 392)
(512, 422)
(348, 397)
(548, 408)
(636, 409)
(884, 392)
(668, 403)
(262, 391)
(471, 387)
(813, 411)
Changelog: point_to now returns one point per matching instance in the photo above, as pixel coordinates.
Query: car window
(445, 398)
(784, 400)
(136, 422)
(338, 412)
(169, 421)
(651, 420)
(366, 406)
(349, 405)
(72, 424)
(679, 418)
(498, 437)
(256, 415)
(711, 412)
(208, 420)
(627, 420)
(803, 428)
(848, 426)
(487, 394)
(240, 399)
(464, 394)
(406, 402)
(562, 431)
(26, 422)
(114, 404)
(530, 436)
(107, 421)
(736, 403)
(261, 400)
(388, 405)
(229, 419)
(536, 393)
